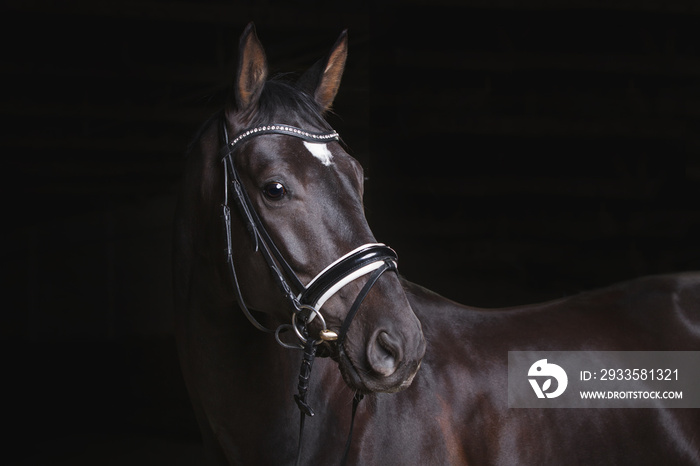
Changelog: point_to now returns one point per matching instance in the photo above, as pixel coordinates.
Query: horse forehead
(329, 154)
(294, 155)
(320, 151)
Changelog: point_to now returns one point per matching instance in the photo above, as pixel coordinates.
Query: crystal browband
(280, 129)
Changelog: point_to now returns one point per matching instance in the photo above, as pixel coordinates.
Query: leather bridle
(305, 300)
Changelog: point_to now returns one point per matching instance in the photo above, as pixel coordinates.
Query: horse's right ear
(252, 70)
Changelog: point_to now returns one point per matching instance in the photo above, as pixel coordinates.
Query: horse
(270, 231)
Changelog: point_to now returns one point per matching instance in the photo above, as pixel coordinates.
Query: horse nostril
(384, 353)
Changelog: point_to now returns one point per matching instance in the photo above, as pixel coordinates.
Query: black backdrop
(513, 154)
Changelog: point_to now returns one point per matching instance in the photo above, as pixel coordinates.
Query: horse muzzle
(386, 359)
(386, 362)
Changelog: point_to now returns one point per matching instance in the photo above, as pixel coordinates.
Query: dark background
(514, 154)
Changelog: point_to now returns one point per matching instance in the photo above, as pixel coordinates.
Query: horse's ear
(322, 80)
(252, 69)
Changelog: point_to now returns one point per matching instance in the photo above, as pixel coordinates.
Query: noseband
(305, 300)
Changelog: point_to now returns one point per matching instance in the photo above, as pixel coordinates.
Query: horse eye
(274, 191)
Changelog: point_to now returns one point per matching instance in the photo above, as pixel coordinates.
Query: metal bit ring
(325, 334)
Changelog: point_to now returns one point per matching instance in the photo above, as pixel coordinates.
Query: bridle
(305, 300)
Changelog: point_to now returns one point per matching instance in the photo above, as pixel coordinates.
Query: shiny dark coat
(455, 411)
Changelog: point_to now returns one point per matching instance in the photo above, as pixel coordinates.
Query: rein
(305, 300)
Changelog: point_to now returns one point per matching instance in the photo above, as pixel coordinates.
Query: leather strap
(278, 129)
(387, 265)
(335, 274)
(355, 402)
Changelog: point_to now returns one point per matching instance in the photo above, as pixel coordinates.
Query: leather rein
(305, 300)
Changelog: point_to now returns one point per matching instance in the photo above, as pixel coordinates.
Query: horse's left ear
(322, 80)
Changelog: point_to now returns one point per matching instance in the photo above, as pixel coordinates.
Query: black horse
(271, 230)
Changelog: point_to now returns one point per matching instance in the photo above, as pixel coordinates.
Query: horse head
(301, 209)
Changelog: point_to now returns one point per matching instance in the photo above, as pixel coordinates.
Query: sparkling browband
(280, 129)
